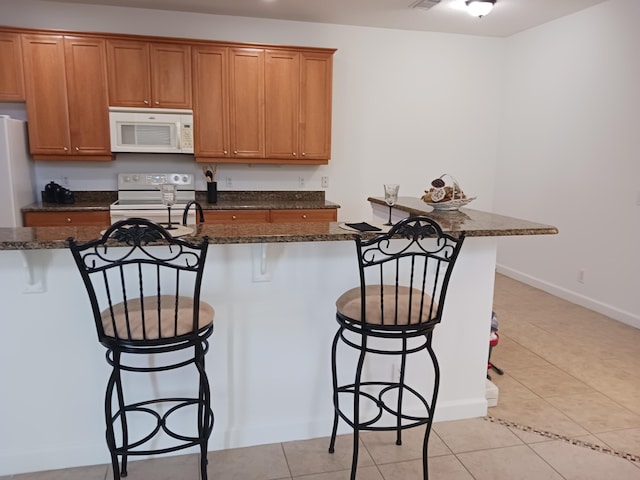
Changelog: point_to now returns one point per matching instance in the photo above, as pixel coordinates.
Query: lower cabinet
(236, 216)
(294, 215)
(298, 215)
(102, 218)
(66, 217)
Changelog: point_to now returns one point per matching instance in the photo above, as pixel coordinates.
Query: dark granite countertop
(475, 223)
(236, 200)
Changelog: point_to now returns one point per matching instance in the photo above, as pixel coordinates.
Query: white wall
(569, 155)
(402, 108)
(553, 125)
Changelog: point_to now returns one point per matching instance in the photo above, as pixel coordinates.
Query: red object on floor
(493, 341)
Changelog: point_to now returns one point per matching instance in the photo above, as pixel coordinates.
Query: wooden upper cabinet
(282, 95)
(46, 91)
(66, 92)
(11, 76)
(143, 74)
(298, 105)
(86, 68)
(246, 103)
(211, 101)
(171, 75)
(316, 78)
(129, 73)
(228, 95)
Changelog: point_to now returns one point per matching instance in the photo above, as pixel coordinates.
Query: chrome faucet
(186, 211)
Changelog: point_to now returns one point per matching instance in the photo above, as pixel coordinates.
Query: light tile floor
(568, 408)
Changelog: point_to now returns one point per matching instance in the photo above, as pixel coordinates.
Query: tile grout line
(554, 436)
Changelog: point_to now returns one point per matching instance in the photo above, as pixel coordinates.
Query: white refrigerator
(17, 187)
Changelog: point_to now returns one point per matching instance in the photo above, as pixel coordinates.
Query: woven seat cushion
(349, 305)
(167, 312)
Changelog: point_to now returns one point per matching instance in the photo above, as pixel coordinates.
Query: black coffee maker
(54, 193)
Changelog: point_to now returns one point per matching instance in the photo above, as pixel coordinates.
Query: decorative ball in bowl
(446, 195)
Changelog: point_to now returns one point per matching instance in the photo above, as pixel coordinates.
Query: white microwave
(151, 130)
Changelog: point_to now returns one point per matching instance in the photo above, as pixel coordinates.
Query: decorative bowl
(448, 195)
(450, 205)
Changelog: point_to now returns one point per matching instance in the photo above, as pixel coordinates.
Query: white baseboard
(573, 297)
(238, 438)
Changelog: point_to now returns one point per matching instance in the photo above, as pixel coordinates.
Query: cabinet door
(246, 102)
(282, 87)
(210, 101)
(46, 93)
(129, 73)
(170, 75)
(11, 77)
(85, 62)
(316, 70)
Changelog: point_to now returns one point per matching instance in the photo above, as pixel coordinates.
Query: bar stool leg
(205, 418)
(431, 409)
(336, 407)
(403, 364)
(356, 407)
(108, 414)
(115, 381)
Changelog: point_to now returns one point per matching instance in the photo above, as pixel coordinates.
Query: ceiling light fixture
(479, 8)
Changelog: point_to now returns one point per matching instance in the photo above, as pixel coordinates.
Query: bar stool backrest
(143, 284)
(404, 275)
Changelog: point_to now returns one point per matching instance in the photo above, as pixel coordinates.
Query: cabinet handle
(77, 149)
(235, 152)
(157, 103)
(68, 220)
(304, 216)
(225, 152)
(65, 149)
(146, 102)
(233, 217)
(304, 154)
(294, 154)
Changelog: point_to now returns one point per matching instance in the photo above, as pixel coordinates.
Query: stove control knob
(136, 178)
(185, 179)
(126, 179)
(176, 178)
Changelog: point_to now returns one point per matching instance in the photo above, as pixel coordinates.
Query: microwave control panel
(186, 137)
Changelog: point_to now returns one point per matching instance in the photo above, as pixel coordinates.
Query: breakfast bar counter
(474, 222)
(273, 287)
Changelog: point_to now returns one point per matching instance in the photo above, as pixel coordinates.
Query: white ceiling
(508, 16)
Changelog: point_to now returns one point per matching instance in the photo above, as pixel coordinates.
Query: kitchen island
(274, 288)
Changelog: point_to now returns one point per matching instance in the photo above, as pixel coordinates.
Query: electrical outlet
(581, 276)
(229, 182)
(324, 182)
(301, 181)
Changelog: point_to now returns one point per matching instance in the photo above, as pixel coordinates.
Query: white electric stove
(139, 196)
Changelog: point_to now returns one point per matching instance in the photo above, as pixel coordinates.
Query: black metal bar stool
(404, 275)
(144, 288)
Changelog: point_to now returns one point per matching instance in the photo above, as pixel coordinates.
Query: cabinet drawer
(56, 219)
(236, 216)
(301, 215)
